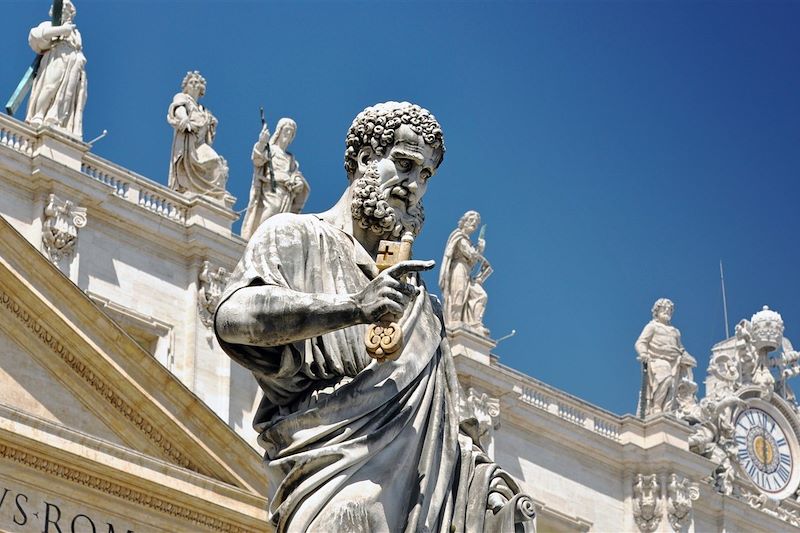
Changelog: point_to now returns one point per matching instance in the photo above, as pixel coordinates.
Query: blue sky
(616, 150)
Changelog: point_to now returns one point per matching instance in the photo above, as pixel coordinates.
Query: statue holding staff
(666, 365)
(278, 185)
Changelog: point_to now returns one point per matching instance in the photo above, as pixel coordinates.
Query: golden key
(385, 339)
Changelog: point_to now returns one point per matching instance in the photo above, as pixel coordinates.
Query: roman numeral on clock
(783, 473)
(743, 455)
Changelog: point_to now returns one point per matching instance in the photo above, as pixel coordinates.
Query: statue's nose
(412, 184)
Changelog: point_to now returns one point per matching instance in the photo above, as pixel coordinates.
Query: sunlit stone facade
(120, 411)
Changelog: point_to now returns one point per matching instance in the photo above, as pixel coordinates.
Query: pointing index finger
(404, 267)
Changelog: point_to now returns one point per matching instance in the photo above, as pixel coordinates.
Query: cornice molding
(53, 468)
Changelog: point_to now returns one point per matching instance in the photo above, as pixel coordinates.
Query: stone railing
(573, 411)
(123, 183)
(135, 188)
(17, 135)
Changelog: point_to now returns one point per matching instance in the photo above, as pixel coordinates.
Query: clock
(767, 449)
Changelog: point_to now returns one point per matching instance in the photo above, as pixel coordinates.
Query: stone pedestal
(211, 214)
(59, 147)
(467, 342)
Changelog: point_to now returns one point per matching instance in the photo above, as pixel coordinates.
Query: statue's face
(194, 87)
(471, 224)
(286, 136)
(387, 189)
(664, 314)
(405, 169)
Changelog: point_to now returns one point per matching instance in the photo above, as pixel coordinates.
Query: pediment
(30, 388)
(64, 361)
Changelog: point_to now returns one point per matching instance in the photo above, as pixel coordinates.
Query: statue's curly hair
(189, 76)
(466, 216)
(376, 125)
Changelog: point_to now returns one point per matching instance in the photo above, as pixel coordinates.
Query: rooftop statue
(278, 185)
(355, 441)
(463, 293)
(666, 365)
(58, 94)
(194, 166)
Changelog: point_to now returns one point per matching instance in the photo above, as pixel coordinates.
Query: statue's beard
(371, 210)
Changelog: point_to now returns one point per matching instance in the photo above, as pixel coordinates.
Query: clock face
(765, 453)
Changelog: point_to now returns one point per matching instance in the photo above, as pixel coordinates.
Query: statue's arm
(41, 37)
(179, 118)
(642, 345)
(268, 315)
(300, 192)
(47, 31)
(467, 250)
(259, 155)
(688, 359)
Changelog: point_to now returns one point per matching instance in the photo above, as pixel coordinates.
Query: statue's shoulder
(286, 225)
(46, 25)
(181, 99)
(36, 37)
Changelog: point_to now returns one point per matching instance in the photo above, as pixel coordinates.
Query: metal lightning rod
(724, 300)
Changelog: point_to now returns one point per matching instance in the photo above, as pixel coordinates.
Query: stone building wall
(140, 257)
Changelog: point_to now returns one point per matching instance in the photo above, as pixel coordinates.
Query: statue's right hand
(66, 29)
(263, 137)
(386, 296)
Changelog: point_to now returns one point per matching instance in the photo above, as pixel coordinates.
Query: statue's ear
(365, 155)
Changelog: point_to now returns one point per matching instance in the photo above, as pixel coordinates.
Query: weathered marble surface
(666, 365)
(60, 226)
(463, 293)
(740, 375)
(58, 94)
(194, 165)
(353, 444)
(278, 185)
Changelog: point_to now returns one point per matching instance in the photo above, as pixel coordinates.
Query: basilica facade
(120, 412)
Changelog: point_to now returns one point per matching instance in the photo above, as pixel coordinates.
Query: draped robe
(464, 298)
(194, 165)
(58, 94)
(264, 202)
(352, 444)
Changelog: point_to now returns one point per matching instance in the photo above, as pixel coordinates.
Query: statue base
(466, 341)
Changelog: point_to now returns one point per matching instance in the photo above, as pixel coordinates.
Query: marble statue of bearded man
(464, 296)
(353, 444)
(666, 363)
(58, 94)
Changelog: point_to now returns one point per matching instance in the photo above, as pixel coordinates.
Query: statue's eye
(403, 164)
